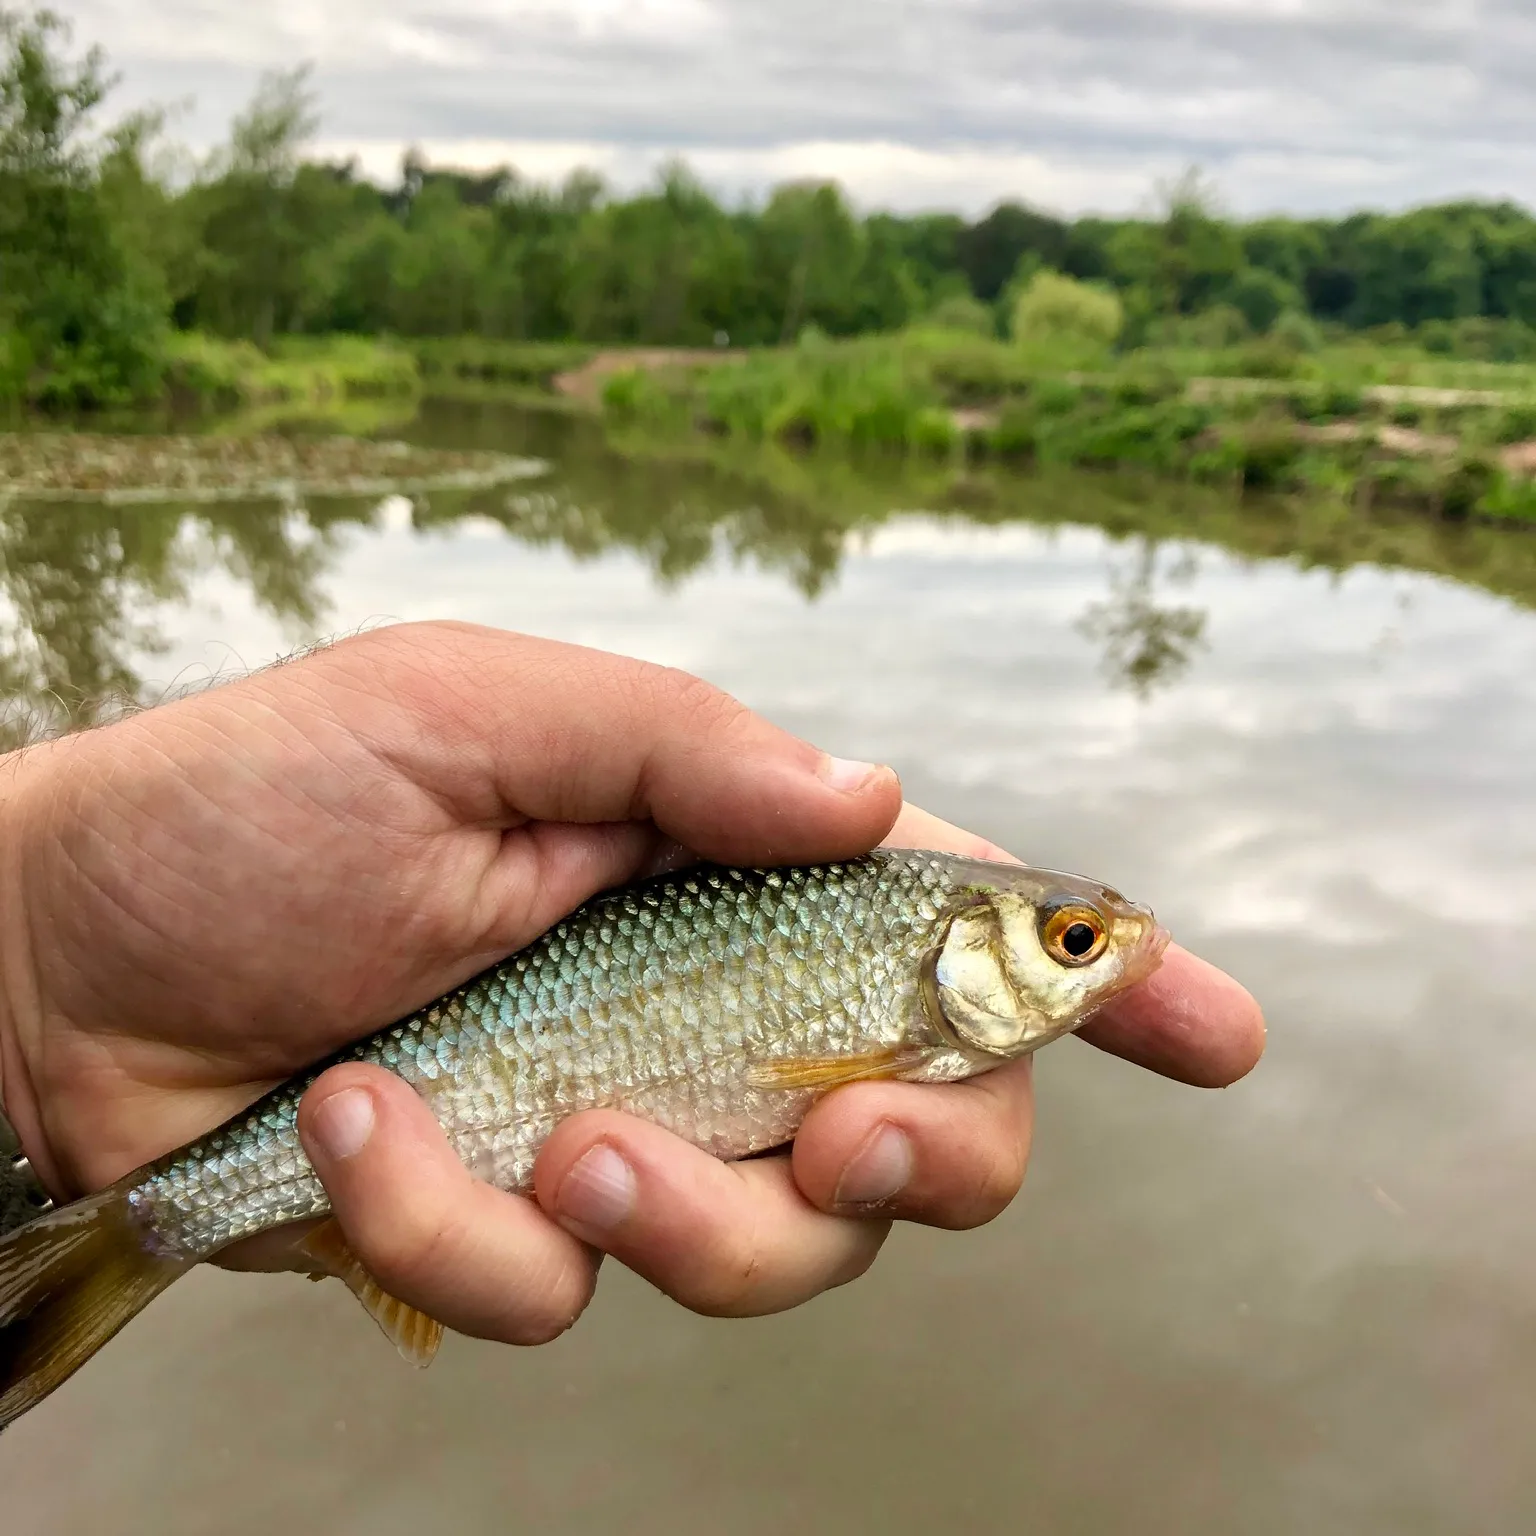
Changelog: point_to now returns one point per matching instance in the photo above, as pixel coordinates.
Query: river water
(1307, 1304)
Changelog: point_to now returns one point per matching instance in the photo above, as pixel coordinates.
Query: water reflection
(1146, 643)
(81, 585)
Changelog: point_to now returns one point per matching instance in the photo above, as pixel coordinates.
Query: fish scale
(652, 1000)
(719, 1004)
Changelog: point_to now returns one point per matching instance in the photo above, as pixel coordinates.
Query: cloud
(1302, 104)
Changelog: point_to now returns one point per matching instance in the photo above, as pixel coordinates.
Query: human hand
(197, 902)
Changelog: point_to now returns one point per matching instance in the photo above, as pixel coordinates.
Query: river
(1306, 1304)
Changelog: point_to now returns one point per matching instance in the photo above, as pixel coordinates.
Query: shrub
(962, 313)
(1057, 308)
(1262, 297)
(1296, 331)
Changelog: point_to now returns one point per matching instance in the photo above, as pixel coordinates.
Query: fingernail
(842, 774)
(598, 1193)
(880, 1170)
(344, 1122)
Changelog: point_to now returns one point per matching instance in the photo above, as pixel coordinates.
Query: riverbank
(191, 373)
(1363, 425)
(1368, 430)
(330, 370)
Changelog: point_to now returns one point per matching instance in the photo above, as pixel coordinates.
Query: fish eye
(1074, 935)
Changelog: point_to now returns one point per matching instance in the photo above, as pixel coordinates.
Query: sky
(1076, 105)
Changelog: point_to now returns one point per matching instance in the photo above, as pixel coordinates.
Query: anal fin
(787, 1072)
(413, 1333)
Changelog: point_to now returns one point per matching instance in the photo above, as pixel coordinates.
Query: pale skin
(199, 901)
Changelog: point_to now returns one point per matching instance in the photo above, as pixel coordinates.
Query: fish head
(1030, 955)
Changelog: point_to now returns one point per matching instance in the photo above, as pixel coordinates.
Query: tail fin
(69, 1281)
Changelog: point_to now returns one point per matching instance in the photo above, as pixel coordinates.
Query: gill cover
(969, 992)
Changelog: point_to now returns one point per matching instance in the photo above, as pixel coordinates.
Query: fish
(719, 1003)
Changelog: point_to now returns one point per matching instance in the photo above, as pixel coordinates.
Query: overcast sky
(1298, 105)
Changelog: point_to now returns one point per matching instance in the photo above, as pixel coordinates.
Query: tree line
(111, 239)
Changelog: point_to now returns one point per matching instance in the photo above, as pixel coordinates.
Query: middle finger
(724, 1239)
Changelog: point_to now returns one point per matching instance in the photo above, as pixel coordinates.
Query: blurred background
(1119, 417)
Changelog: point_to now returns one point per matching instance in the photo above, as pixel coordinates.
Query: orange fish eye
(1074, 935)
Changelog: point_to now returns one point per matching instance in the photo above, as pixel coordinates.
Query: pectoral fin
(786, 1072)
(413, 1333)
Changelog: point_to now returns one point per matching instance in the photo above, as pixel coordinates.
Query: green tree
(1262, 296)
(85, 317)
(989, 252)
(810, 254)
(257, 217)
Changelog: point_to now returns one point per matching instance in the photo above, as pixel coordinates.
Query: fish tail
(69, 1281)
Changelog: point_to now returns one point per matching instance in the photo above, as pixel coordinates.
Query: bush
(1057, 397)
(1262, 297)
(1056, 308)
(1269, 358)
(1517, 424)
(965, 369)
(933, 431)
(1265, 455)
(1512, 497)
(962, 313)
(1017, 433)
(311, 369)
(1222, 325)
(625, 393)
(1296, 331)
(1479, 338)
(1465, 486)
(15, 365)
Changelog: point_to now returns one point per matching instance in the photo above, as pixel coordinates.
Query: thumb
(506, 729)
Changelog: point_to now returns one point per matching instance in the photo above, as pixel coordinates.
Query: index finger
(1189, 1021)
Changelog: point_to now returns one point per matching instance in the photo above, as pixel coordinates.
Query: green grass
(476, 360)
(1169, 413)
(862, 395)
(332, 370)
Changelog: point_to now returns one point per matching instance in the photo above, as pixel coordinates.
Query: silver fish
(718, 1003)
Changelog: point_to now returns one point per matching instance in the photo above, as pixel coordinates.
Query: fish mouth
(1145, 954)
(1147, 957)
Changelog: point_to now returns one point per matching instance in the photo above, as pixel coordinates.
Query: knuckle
(705, 707)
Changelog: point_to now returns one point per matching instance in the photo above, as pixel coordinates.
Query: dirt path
(1380, 394)
(586, 383)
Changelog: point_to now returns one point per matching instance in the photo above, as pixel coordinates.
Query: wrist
(22, 1008)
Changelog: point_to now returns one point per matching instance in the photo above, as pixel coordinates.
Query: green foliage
(481, 360)
(1480, 337)
(1016, 434)
(82, 313)
(110, 250)
(238, 373)
(1465, 487)
(1296, 332)
(1262, 297)
(960, 312)
(1060, 310)
(1208, 330)
(1517, 423)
